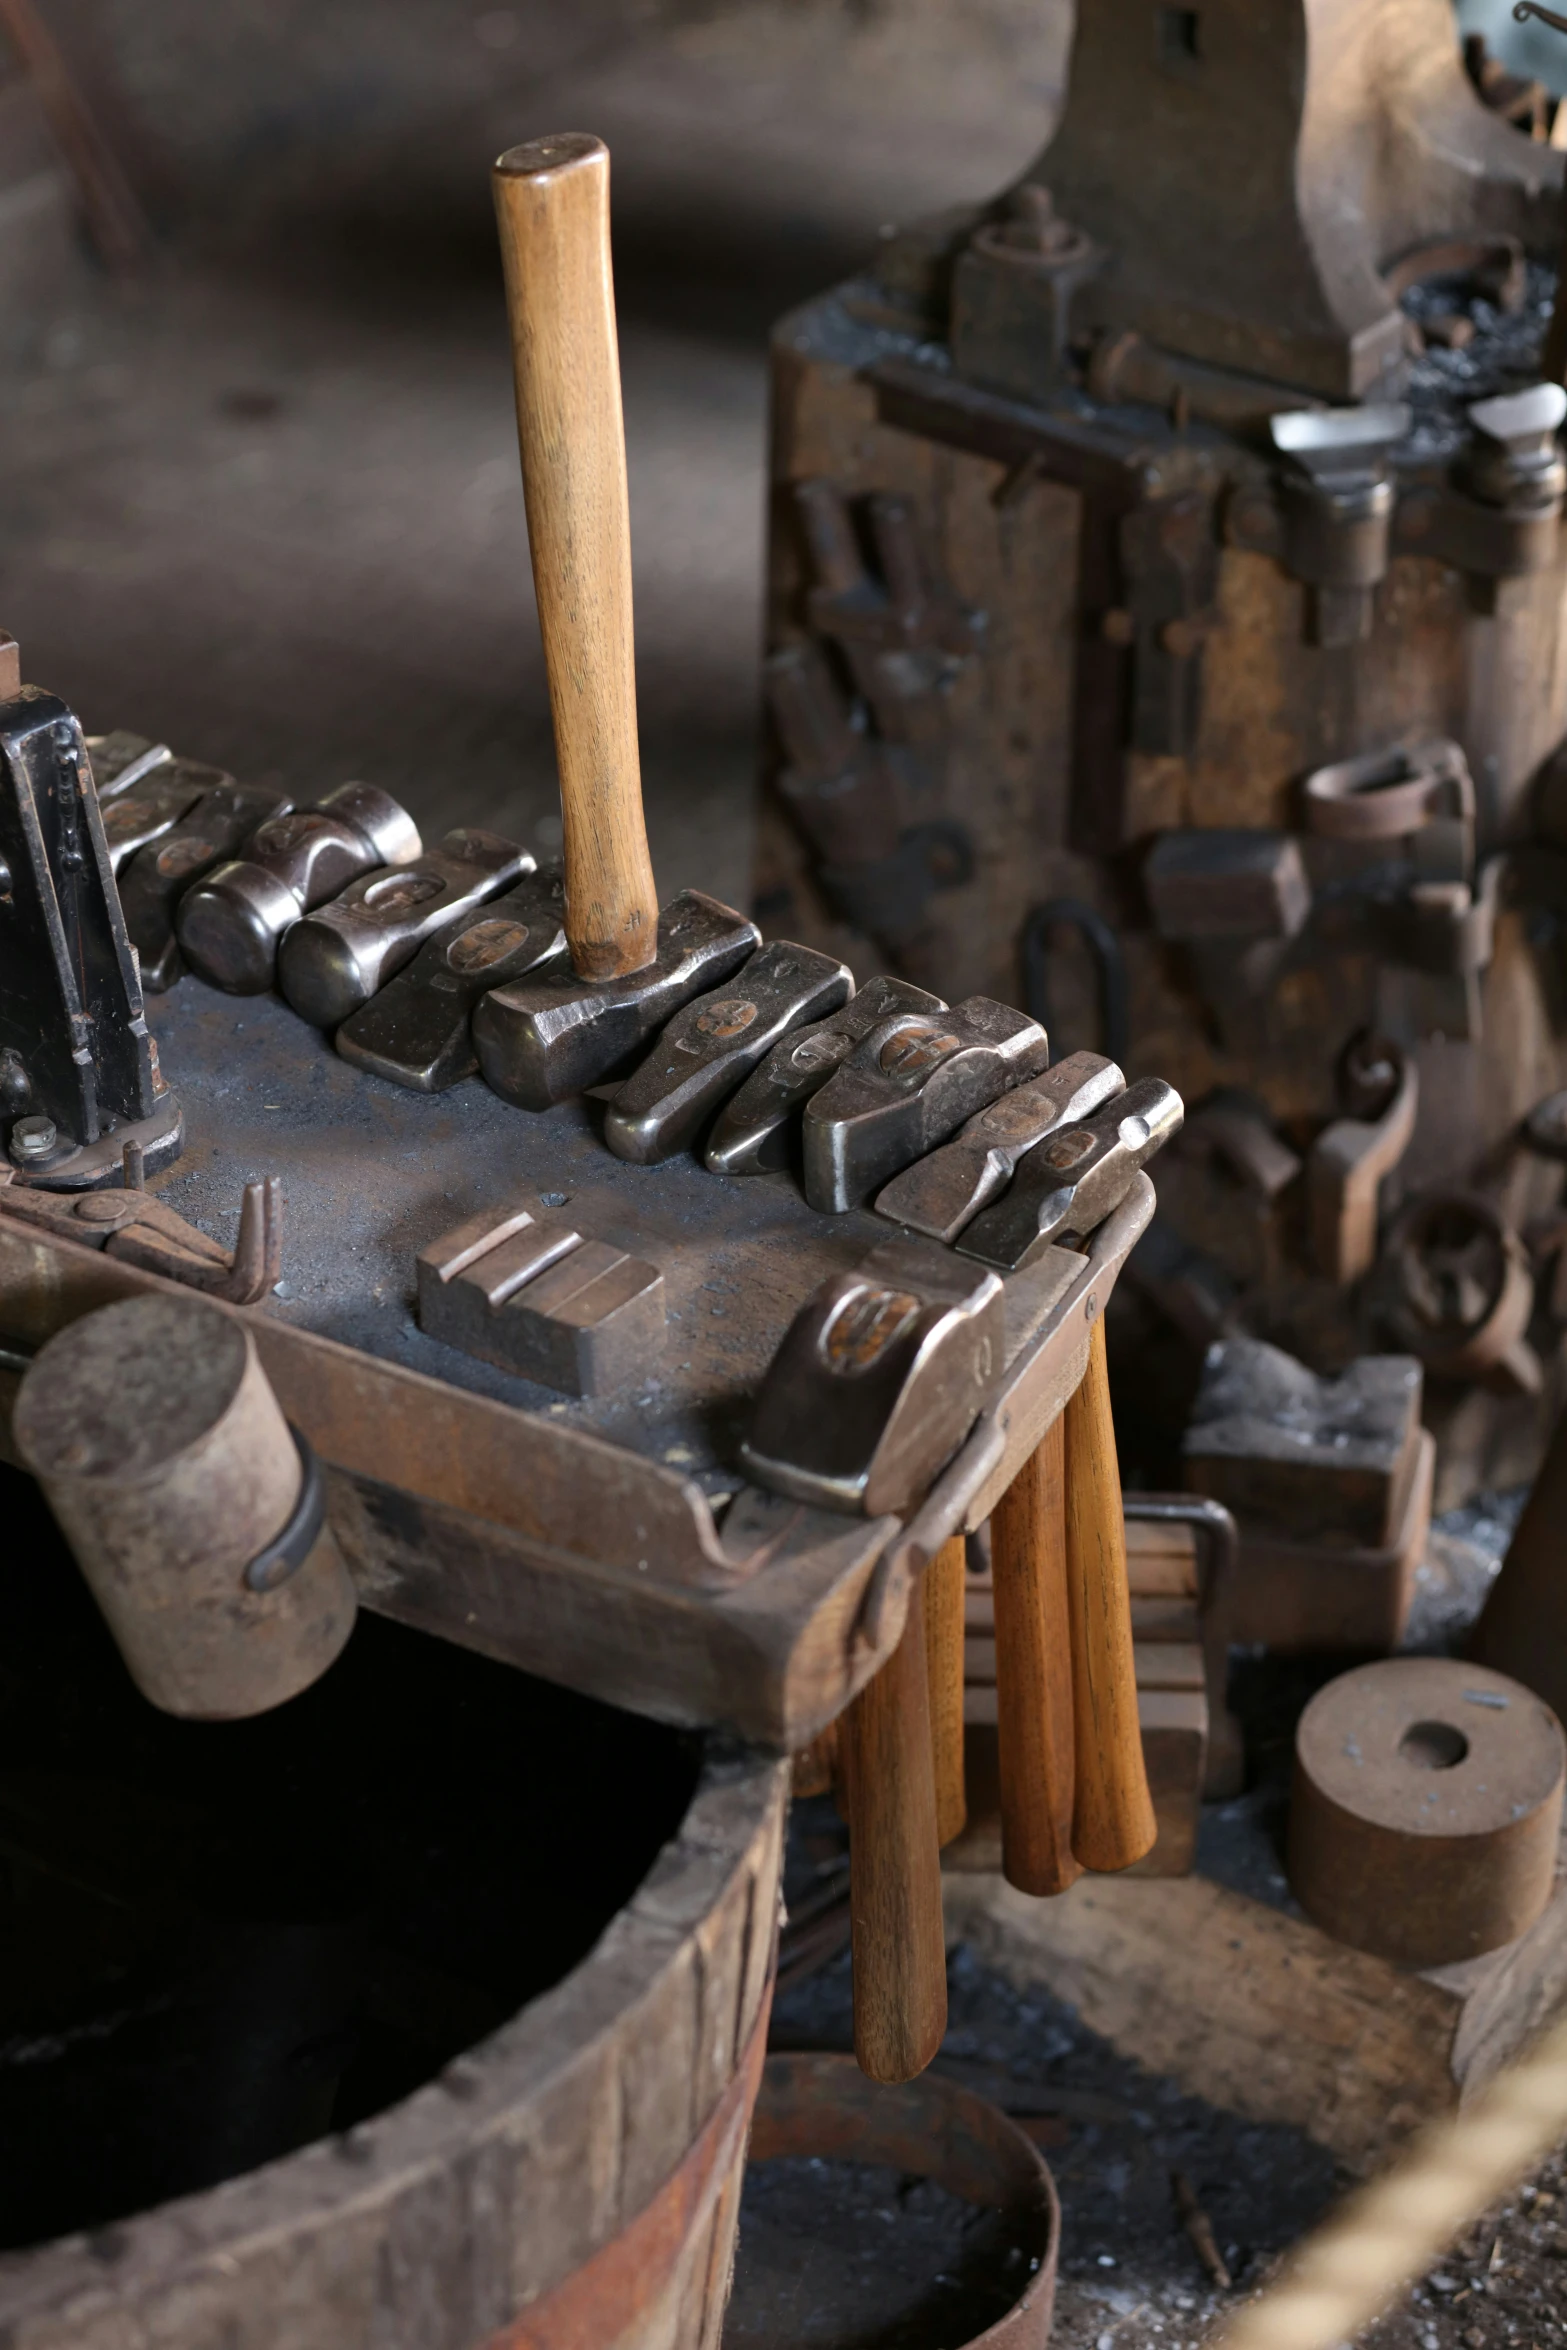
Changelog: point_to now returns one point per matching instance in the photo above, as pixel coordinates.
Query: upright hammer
(549, 1034)
(552, 204)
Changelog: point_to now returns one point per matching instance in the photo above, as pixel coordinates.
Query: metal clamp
(288, 1550)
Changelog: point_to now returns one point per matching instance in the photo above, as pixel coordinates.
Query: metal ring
(288, 1550)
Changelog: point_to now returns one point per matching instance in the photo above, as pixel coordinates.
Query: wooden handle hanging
(889, 1791)
(552, 203)
(942, 1595)
(1034, 1706)
(1112, 1818)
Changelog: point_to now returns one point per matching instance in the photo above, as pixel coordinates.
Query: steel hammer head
(879, 1379)
(906, 1088)
(1071, 1182)
(713, 1042)
(939, 1194)
(551, 1035)
(755, 1134)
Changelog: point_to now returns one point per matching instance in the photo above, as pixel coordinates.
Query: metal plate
(372, 1173)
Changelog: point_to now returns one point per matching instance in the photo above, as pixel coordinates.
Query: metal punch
(879, 1379)
(714, 1042)
(1070, 1183)
(755, 1131)
(941, 1193)
(418, 1030)
(335, 959)
(542, 1039)
(905, 1089)
(229, 926)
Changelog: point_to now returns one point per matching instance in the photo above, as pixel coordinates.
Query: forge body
(1160, 425)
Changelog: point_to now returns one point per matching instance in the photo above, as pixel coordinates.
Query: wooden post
(552, 203)
(1034, 1708)
(165, 1456)
(943, 1595)
(1113, 1818)
(889, 1785)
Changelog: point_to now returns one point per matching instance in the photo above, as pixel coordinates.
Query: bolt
(33, 1138)
(1090, 1307)
(103, 1208)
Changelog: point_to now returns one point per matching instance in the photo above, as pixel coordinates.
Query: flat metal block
(537, 1298)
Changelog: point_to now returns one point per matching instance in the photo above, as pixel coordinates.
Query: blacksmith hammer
(1074, 1793)
(908, 1086)
(551, 1034)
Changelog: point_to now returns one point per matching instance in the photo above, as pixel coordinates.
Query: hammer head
(938, 1195)
(755, 1133)
(711, 1044)
(544, 1038)
(906, 1088)
(1070, 1183)
(336, 958)
(418, 1029)
(879, 1379)
(230, 924)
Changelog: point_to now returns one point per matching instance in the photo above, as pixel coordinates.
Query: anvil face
(906, 1088)
(755, 1131)
(543, 1039)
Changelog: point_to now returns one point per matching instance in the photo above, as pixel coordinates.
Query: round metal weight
(1426, 1809)
(825, 2106)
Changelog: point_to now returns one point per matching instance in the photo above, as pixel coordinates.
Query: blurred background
(260, 497)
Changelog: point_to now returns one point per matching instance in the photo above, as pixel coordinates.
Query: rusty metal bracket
(131, 1225)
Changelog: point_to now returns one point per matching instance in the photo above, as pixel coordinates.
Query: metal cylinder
(192, 1508)
(1426, 1809)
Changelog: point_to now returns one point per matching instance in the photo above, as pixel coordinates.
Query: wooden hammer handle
(1034, 1707)
(889, 1794)
(942, 1595)
(552, 203)
(1112, 1819)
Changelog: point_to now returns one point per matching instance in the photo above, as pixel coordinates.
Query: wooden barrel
(423, 2013)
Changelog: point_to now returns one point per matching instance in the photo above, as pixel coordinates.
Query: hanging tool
(1113, 1821)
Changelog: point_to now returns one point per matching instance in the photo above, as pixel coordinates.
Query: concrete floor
(266, 506)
